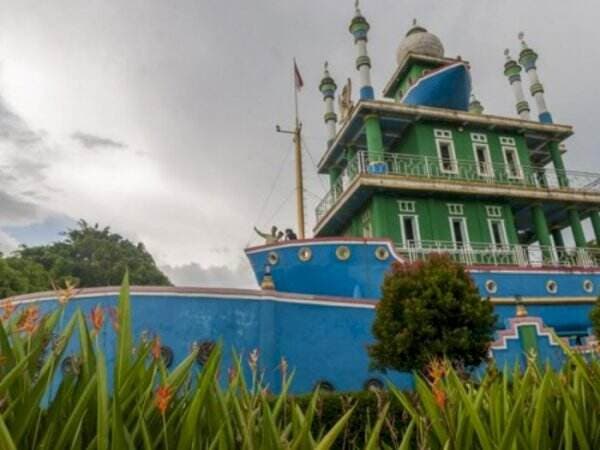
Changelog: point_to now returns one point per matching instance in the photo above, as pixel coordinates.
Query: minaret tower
(512, 70)
(528, 58)
(327, 88)
(359, 27)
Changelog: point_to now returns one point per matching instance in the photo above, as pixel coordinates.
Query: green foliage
(368, 407)
(595, 318)
(89, 256)
(430, 309)
(20, 276)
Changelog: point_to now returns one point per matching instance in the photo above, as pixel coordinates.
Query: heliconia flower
(66, 294)
(97, 318)
(155, 349)
(162, 398)
(439, 395)
(29, 320)
(253, 358)
(436, 370)
(8, 306)
(113, 313)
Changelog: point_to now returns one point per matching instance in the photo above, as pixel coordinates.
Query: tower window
(447, 156)
(483, 160)
(460, 235)
(493, 211)
(479, 137)
(406, 206)
(498, 232)
(443, 134)
(511, 159)
(410, 230)
(507, 141)
(455, 209)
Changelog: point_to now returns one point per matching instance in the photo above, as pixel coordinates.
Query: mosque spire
(512, 70)
(528, 58)
(327, 88)
(359, 27)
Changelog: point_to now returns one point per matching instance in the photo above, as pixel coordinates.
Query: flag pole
(298, 150)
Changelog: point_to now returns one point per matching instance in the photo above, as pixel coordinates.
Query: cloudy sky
(157, 117)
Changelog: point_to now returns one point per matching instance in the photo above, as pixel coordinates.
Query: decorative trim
(512, 332)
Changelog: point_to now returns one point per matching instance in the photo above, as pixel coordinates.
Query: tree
(89, 255)
(595, 318)
(430, 309)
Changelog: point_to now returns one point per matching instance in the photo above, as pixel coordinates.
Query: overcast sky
(157, 117)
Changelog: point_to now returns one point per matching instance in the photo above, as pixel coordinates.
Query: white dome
(419, 40)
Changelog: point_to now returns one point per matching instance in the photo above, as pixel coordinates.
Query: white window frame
(494, 211)
(504, 237)
(488, 162)
(406, 206)
(417, 241)
(505, 150)
(479, 138)
(465, 230)
(453, 161)
(442, 134)
(509, 141)
(456, 209)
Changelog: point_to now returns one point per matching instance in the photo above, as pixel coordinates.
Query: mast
(298, 83)
(297, 133)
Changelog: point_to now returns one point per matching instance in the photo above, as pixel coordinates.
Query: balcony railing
(487, 254)
(459, 170)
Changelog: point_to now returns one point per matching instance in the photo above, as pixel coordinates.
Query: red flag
(299, 82)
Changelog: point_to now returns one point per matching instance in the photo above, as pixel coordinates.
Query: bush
(430, 310)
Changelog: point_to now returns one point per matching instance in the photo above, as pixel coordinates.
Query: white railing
(478, 253)
(460, 170)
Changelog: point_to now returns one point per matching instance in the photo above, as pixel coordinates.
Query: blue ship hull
(448, 87)
(320, 314)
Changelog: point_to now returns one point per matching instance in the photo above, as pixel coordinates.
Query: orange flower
(440, 396)
(97, 318)
(9, 308)
(29, 320)
(66, 294)
(163, 398)
(155, 350)
(436, 370)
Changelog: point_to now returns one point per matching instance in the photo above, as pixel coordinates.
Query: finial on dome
(475, 105)
(357, 7)
(507, 54)
(414, 22)
(326, 69)
(521, 37)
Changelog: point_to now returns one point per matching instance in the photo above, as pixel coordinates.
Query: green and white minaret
(528, 58)
(359, 27)
(512, 70)
(328, 88)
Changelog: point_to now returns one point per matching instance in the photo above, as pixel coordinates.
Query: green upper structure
(481, 186)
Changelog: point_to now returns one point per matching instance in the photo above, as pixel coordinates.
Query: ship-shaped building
(420, 170)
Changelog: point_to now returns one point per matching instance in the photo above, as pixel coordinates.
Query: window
(455, 209)
(367, 229)
(493, 211)
(460, 235)
(483, 160)
(406, 206)
(446, 155)
(443, 134)
(478, 137)
(511, 159)
(409, 226)
(498, 232)
(508, 141)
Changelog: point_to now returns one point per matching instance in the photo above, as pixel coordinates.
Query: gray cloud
(14, 129)
(93, 141)
(194, 274)
(13, 210)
